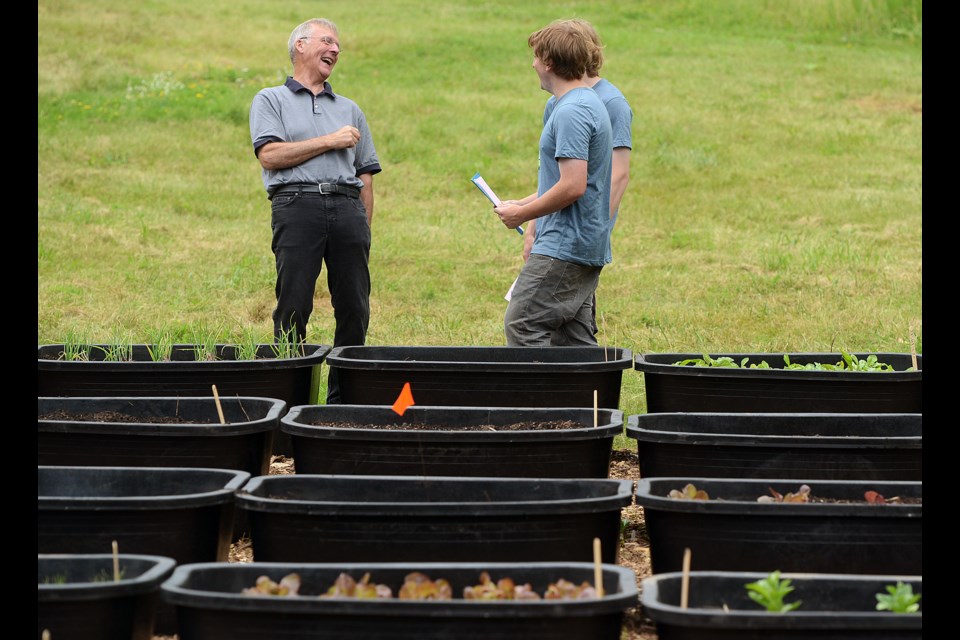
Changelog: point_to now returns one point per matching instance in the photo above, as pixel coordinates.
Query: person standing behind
(552, 300)
(621, 119)
(318, 161)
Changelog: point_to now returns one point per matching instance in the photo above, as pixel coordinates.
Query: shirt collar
(296, 87)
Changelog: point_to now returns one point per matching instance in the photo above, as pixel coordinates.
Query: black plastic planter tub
(676, 388)
(184, 514)
(196, 439)
(318, 518)
(834, 607)
(210, 605)
(733, 532)
(833, 446)
(77, 597)
(482, 376)
(332, 439)
(287, 379)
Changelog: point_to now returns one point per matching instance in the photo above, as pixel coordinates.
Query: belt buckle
(331, 188)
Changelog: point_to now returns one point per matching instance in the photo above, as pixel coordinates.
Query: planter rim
(47, 360)
(610, 424)
(269, 422)
(375, 508)
(626, 595)
(720, 505)
(233, 480)
(447, 358)
(663, 613)
(650, 432)
(662, 364)
(147, 581)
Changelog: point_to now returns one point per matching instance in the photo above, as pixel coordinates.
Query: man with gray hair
(318, 161)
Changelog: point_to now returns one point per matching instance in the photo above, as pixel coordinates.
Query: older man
(318, 161)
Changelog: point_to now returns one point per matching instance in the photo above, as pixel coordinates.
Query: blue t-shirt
(621, 121)
(579, 128)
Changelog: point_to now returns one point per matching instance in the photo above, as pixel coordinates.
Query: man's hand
(510, 214)
(343, 138)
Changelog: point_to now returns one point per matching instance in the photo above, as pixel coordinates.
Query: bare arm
(283, 155)
(572, 185)
(620, 177)
(366, 195)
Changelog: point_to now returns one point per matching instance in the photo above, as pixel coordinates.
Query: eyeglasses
(327, 40)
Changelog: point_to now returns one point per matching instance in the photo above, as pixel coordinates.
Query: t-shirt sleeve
(574, 128)
(621, 122)
(265, 123)
(365, 160)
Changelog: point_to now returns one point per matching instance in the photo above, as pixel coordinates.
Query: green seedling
(899, 598)
(58, 578)
(75, 348)
(769, 593)
(287, 345)
(849, 362)
(160, 346)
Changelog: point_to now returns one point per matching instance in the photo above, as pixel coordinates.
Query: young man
(318, 162)
(552, 300)
(621, 120)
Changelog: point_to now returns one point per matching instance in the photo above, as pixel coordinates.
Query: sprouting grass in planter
(75, 347)
(160, 345)
(247, 347)
(118, 349)
(204, 343)
(287, 346)
(60, 578)
(769, 593)
(899, 598)
(106, 576)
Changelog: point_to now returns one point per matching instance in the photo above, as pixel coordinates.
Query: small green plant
(286, 345)
(248, 346)
(849, 362)
(899, 598)
(204, 343)
(160, 346)
(58, 578)
(118, 349)
(105, 576)
(769, 593)
(75, 347)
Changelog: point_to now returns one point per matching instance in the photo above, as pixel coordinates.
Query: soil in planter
(116, 416)
(549, 425)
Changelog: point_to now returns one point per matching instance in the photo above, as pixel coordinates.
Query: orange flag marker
(405, 400)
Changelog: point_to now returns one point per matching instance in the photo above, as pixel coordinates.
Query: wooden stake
(685, 583)
(597, 568)
(216, 397)
(46, 635)
(116, 562)
(913, 348)
(596, 419)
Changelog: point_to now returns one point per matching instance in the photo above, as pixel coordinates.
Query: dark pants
(309, 230)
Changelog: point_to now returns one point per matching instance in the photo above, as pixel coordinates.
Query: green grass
(775, 202)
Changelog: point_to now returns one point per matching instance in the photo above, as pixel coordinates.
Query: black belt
(323, 188)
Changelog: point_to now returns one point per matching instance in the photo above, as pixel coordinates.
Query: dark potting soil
(116, 416)
(547, 425)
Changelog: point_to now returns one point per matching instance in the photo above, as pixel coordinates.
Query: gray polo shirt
(290, 113)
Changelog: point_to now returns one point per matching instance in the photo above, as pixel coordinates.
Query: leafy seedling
(689, 492)
(899, 598)
(802, 495)
(769, 593)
